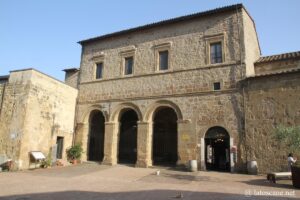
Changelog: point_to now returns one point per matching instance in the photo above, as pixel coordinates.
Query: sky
(43, 34)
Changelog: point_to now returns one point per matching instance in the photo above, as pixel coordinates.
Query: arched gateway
(96, 136)
(217, 149)
(164, 146)
(127, 152)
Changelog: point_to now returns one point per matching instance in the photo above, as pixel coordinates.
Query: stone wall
(2, 88)
(276, 66)
(271, 101)
(37, 109)
(12, 120)
(250, 43)
(71, 78)
(187, 39)
(165, 84)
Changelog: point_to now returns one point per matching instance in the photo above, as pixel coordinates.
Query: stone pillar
(144, 144)
(111, 143)
(232, 156)
(82, 133)
(202, 157)
(187, 142)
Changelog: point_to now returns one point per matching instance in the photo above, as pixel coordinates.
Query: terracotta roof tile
(288, 71)
(272, 58)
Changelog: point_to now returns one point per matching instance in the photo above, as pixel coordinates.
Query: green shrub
(75, 152)
(289, 137)
(47, 161)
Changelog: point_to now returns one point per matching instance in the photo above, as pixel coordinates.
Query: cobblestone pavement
(92, 181)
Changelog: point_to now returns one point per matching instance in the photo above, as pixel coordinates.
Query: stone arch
(96, 134)
(148, 117)
(116, 113)
(215, 126)
(84, 118)
(165, 136)
(217, 149)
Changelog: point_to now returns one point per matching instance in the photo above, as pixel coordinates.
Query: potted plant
(47, 161)
(290, 138)
(74, 153)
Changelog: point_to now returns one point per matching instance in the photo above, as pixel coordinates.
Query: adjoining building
(36, 114)
(189, 88)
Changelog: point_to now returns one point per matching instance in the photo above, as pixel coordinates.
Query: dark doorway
(164, 147)
(60, 146)
(217, 146)
(96, 136)
(128, 137)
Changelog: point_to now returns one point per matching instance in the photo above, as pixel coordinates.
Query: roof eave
(164, 22)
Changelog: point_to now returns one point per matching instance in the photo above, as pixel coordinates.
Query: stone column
(111, 143)
(187, 142)
(82, 132)
(144, 144)
(202, 157)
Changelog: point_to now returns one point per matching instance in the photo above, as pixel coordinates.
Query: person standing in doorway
(291, 161)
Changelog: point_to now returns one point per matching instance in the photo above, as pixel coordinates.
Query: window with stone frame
(99, 70)
(128, 65)
(163, 60)
(215, 48)
(216, 55)
(162, 54)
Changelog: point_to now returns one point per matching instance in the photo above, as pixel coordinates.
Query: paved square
(93, 181)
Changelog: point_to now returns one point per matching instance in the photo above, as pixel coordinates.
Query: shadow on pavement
(138, 195)
(287, 184)
(68, 171)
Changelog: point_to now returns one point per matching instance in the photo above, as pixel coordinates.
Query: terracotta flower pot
(296, 176)
(74, 162)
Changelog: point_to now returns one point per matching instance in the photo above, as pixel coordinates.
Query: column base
(143, 163)
(109, 162)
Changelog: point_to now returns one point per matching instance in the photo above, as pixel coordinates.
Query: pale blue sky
(44, 34)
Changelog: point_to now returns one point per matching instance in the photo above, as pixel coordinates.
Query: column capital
(143, 123)
(184, 121)
(111, 123)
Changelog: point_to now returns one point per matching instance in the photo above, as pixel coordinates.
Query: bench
(275, 175)
(37, 157)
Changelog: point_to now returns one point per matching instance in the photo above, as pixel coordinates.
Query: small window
(217, 86)
(216, 53)
(60, 146)
(128, 65)
(163, 60)
(99, 70)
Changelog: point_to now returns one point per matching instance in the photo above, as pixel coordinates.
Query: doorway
(217, 149)
(60, 146)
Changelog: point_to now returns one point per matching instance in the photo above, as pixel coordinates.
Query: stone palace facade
(190, 88)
